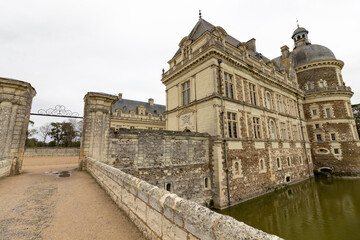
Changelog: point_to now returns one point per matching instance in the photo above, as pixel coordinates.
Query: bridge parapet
(162, 215)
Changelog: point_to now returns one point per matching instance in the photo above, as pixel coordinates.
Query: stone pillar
(15, 104)
(96, 126)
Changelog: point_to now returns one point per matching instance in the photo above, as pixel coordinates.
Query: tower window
(228, 82)
(333, 136)
(252, 91)
(186, 92)
(328, 114)
(278, 163)
(318, 137)
(268, 100)
(232, 125)
(256, 122)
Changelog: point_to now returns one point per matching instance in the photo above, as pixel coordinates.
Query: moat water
(315, 209)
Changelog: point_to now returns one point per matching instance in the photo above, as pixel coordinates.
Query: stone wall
(162, 215)
(51, 151)
(15, 104)
(177, 161)
(5, 168)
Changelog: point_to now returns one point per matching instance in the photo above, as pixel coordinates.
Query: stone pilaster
(96, 126)
(15, 104)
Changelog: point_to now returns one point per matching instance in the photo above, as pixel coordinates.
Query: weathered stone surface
(15, 104)
(228, 228)
(166, 216)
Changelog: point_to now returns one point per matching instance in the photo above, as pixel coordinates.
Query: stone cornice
(317, 64)
(218, 51)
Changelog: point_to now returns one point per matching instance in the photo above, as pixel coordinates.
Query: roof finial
(297, 23)
(199, 14)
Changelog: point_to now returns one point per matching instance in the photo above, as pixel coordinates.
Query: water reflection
(315, 209)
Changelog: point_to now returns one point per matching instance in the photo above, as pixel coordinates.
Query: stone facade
(137, 115)
(176, 161)
(15, 104)
(162, 215)
(259, 111)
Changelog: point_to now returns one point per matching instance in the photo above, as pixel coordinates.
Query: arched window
(168, 187)
(272, 129)
(268, 100)
(278, 163)
(262, 165)
(206, 183)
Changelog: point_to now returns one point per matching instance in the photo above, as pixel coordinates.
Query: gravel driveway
(59, 202)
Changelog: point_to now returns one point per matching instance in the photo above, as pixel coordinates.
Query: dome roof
(311, 53)
(299, 30)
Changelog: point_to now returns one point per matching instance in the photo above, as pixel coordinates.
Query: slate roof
(203, 26)
(127, 105)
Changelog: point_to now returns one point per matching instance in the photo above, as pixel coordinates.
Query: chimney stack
(151, 101)
(120, 96)
(284, 51)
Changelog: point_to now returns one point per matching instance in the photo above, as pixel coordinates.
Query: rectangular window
(186, 93)
(336, 150)
(318, 137)
(328, 114)
(252, 91)
(232, 125)
(314, 112)
(257, 128)
(283, 130)
(333, 136)
(229, 88)
(317, 126)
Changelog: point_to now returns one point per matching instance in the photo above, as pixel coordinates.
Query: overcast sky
(67, 48)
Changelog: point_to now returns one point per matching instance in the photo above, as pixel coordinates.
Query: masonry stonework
(15, 104)
(177, 161)
(161, 215)
(96, 126)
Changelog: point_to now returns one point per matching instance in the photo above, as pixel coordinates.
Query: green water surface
(315, 209)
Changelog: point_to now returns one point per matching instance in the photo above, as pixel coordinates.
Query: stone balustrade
(162, 215)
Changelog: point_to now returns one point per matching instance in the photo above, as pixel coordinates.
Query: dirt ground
(52, 200)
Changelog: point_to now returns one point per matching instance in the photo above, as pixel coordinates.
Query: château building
(136, 114)
(272, 121)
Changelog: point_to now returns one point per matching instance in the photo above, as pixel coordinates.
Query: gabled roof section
(127, 105)
(203, 26)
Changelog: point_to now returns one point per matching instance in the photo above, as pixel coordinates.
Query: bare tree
(44, 131)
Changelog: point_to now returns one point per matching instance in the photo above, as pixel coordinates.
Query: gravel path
(58, 202)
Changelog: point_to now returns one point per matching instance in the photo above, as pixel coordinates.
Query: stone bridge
(53, 199)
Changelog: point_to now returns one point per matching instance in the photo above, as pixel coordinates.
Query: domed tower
(327, 108)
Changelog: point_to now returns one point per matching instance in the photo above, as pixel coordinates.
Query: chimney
(251, 44)
(151, 101)
(284, 51)
(120, 96)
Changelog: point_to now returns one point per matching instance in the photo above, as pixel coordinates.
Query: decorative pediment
(185, 111)
(185, 42)
(220, 34)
